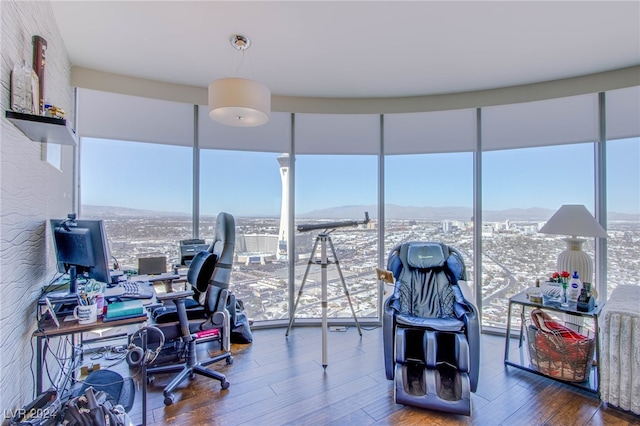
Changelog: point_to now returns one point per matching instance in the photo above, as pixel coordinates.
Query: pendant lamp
(239, 101)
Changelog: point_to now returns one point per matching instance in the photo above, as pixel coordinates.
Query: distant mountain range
(393, 211)
(397, 212)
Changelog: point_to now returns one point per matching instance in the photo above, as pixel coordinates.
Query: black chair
(209, 274)
(431, 332)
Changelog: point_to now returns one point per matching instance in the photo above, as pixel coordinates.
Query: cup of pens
(86, 311)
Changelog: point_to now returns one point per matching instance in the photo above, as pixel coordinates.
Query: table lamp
(574, 220)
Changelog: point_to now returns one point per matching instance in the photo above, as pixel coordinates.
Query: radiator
(620, 349)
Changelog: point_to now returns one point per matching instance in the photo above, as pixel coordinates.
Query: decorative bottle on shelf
(575, 287)
(25, 96)
(564, 299)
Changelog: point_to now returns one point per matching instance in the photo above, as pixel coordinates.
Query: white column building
(283, 232)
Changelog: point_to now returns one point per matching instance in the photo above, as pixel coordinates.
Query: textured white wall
(32, 191)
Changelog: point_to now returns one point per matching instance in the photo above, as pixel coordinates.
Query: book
(141, 316)
(127, 308)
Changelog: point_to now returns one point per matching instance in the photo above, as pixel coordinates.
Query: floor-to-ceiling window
(333, 185)
(243, 171)
(143, 193)
(517, 200)
(535, 157)
(334, 188)
(429, 197)
(428, 180)
(622, 118)
(623, 212)
(249, 186)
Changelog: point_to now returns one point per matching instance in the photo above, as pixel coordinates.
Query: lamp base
(574, 259)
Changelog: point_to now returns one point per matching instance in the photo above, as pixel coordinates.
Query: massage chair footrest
(443, 388)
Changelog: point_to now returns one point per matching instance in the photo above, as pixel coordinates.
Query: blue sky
(158, 177)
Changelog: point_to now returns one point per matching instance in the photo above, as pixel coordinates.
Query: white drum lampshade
(239, 102)
(574, 220)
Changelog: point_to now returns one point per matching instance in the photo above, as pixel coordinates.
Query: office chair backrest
(223, 245)
(210, 271)
(426, 276)
(200, 271)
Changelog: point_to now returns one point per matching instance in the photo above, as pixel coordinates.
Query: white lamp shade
(239, 102)
(575, 220)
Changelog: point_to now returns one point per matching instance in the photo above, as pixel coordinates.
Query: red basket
(558, 351)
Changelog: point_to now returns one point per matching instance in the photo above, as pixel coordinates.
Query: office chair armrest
(174, 295)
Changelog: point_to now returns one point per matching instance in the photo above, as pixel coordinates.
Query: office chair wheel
(192, 376)
(169, 399)
(225, 385)
(230, 360)
(150, 379)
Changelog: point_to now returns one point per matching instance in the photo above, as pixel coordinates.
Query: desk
(47, 329)
(593, 384)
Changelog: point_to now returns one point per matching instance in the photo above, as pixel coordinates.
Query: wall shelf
(39, 128)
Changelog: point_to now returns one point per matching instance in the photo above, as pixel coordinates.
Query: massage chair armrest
(388, 337)
(174, 295)
(472, 331)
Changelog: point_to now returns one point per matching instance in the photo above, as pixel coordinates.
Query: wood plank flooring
(280, 381)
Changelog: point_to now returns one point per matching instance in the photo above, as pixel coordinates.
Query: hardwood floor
(280, 381)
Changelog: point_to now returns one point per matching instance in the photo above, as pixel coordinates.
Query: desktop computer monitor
(81, 249)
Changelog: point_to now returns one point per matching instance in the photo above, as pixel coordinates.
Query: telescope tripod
(323, 238)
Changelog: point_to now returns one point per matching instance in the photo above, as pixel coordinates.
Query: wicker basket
(560, 357)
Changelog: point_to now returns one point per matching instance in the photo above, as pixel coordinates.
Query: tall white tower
(283, 232)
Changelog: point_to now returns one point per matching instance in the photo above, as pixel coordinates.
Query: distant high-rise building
(283, 232)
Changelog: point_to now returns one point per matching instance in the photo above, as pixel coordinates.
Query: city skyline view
(514, 257)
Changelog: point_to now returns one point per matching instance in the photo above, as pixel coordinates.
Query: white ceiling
(353, 49)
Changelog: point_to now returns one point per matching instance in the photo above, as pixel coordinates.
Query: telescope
(333, 225)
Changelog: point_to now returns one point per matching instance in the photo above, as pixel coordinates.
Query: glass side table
(523, 362)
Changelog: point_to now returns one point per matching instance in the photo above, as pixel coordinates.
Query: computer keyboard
(131, 290)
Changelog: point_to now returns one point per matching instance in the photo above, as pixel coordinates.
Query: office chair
(431, 332)
(209, 274)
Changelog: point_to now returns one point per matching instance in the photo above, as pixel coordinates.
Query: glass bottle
(24, 89)
(564, 301)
